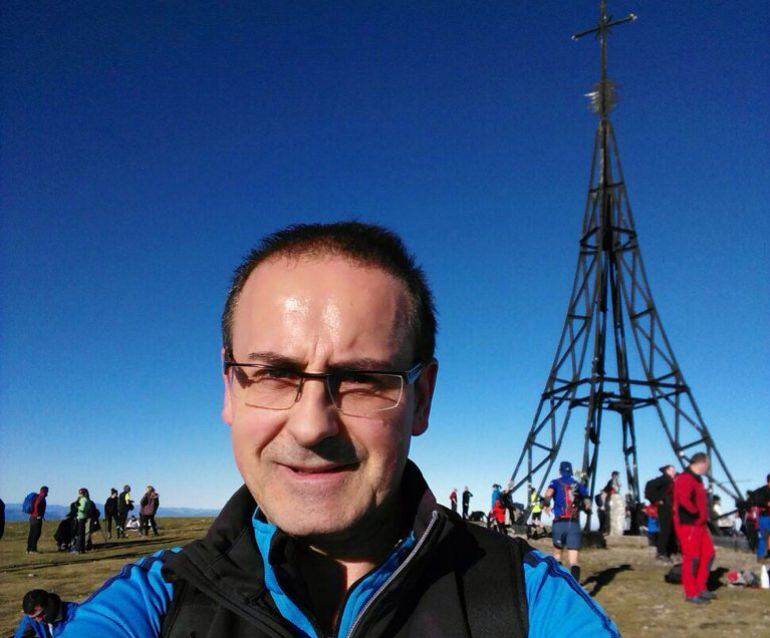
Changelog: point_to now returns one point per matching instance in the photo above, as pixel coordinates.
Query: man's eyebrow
(362, 363)
(282, 361)
(275, 359)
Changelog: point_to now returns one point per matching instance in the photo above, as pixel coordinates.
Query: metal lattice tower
(610, 293)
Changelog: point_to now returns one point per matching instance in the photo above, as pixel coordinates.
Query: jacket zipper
(395, 574)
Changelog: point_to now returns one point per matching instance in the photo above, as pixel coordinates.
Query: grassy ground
(623, 579)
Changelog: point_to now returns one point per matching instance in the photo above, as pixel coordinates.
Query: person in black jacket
(660, 492)
(125, 505)
(36, 519)
(111, 512)
(329, 371)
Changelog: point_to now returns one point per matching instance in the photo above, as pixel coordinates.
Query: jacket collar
(229, 557)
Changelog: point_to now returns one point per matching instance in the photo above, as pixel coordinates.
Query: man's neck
(331, 566)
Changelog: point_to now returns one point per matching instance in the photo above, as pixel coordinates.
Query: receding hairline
(328, 251)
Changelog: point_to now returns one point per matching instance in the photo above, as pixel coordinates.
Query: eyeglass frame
(409, 377)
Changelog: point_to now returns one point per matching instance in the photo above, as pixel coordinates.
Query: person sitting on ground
(45, 615)
(328, 371)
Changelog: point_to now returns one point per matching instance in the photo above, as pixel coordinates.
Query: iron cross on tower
(593, 374)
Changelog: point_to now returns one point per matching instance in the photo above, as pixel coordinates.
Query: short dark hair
(699, 457)
(367, 244)
(33, 599)
(767, 478)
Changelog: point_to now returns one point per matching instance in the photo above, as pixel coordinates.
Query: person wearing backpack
(36, 516)
(660, 492)
(568, 495)
(147, 508)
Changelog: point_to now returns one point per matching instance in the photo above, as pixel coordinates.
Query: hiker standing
(83, 517)
(125, 505)
(567, 495)
(660, 492)
(36, 517)
(453, 500)
(147, 508)
(760, 498)
(691, 515)
(111, 511)
(466, 502)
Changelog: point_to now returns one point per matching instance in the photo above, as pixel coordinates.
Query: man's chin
(316, 525)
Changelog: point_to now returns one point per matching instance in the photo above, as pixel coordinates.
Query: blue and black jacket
(29, 628)
(445, 578)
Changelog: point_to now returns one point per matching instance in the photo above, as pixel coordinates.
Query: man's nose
(313, 417)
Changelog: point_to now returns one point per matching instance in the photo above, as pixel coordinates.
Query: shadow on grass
(605, 577)
(134, 551)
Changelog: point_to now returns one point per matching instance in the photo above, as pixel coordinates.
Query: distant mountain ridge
(53, 512)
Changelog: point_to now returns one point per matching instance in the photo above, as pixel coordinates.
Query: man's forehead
(342, 299)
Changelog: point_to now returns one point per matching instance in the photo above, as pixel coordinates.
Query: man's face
(313, 470)
(701, 467)
(38, 615)
(671, 471)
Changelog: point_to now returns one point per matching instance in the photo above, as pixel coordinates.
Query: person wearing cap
(567, 495)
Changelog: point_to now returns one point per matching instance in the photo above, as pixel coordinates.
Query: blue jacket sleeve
(558, 606)
(129, 605)
(27, 629)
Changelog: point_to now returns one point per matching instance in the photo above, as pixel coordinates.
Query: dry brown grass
(624, 579)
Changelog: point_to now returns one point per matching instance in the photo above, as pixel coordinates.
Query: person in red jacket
(691, 514)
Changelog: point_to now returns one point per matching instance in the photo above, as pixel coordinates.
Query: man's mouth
(327, 468)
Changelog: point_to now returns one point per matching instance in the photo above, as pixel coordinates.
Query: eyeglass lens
(352, 393)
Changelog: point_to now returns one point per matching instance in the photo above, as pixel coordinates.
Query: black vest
(459, 580)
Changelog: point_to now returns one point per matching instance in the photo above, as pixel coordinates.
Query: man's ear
(227, 406)
(423, 388)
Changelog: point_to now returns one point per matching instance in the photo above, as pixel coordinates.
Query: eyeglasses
(362, 393)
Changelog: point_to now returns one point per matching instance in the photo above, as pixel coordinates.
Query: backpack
(91, 511)
(674, 575)
(29, 503)
(655, 489)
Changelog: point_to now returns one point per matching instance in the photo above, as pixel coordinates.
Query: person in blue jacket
(328, 368)
(45, 615)
(569, 497)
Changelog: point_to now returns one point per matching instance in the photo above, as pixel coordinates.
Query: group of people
(679, 518)
(74, 533)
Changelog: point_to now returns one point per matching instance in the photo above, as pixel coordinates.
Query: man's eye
(273, 373)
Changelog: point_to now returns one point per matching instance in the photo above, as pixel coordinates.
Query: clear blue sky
(147, 146)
